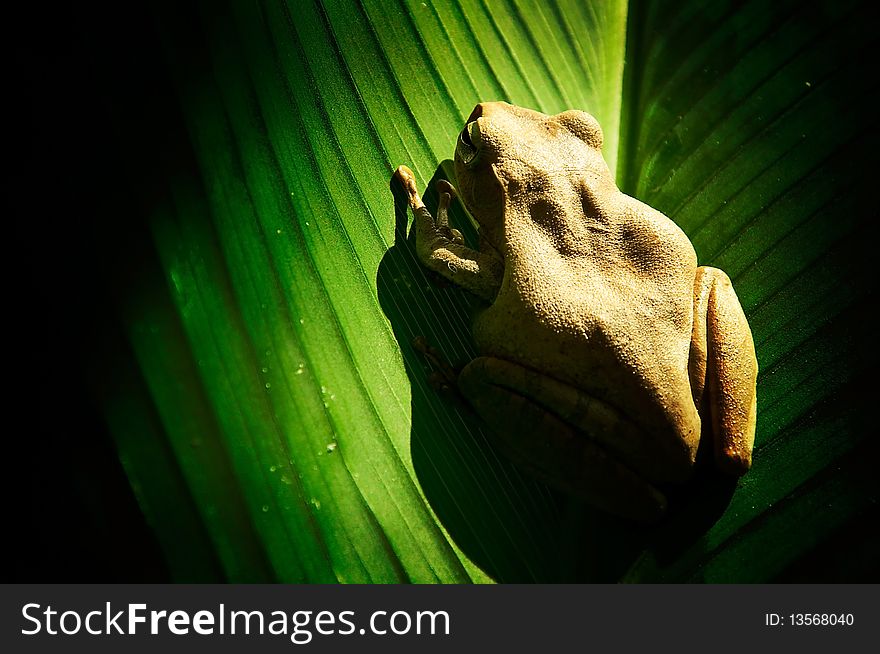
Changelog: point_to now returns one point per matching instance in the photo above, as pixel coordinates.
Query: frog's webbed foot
(441, 248)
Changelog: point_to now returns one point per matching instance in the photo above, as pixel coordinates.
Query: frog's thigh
(731, 369)
(550, 448)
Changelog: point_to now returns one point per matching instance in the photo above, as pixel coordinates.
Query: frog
(606, 355)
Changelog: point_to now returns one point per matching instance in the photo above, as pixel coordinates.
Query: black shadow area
(515, 528)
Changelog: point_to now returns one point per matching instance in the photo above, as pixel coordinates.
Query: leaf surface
(285, 396)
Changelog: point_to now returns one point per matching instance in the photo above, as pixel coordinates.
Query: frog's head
(508, 155)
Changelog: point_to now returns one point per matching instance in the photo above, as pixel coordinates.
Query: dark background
(78, 235)
(98, 127)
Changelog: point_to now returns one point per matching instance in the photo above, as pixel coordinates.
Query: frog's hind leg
(723, 361)
(548, 446)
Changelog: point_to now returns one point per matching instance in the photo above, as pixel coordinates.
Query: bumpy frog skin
(604, 347)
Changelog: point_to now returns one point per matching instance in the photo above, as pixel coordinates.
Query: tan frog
(604, 345)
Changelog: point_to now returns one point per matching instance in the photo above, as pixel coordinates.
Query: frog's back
(602, 300)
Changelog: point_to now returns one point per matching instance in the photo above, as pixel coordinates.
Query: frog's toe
(443, 186)
(407, 179)
(404, 174)
(443, 212)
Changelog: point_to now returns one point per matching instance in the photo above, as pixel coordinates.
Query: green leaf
(285, 426)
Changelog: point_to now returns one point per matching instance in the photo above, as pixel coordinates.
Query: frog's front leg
(723, 362)
(553, 444)
(442, 249)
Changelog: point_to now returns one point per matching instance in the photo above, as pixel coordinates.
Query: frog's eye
(583, 126)
(469, 143)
